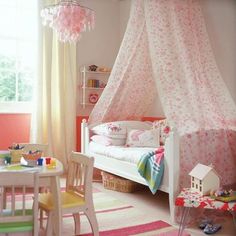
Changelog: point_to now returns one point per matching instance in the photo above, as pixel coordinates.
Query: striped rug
(116, 218)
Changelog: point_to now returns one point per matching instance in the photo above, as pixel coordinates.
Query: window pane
(7, 63)
(25, 87)
(27, 55)
(7, 21)
(8, 47)
(26, 24)
(8, 3)
(18, 50)
(7, 86)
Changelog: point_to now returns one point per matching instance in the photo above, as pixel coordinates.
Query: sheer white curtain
(54, 117)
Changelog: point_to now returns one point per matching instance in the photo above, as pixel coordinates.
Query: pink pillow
(143, 138)
(107, 141)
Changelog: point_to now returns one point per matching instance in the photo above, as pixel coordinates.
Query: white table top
(44, 170)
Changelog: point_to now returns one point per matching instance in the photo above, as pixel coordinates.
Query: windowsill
(15, 107)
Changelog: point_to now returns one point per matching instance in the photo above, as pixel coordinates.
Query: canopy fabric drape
(54, 119)
(166, 49)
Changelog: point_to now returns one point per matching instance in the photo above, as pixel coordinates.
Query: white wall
(220, 17)
(124, 16)
(99, 46)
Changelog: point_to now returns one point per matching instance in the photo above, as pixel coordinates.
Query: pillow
(164, 129)
(107, 141)
(143, 138)
(135, 124)
(119, 128)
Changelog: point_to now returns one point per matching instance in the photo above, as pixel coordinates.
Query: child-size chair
(18, 214)
(78, 195)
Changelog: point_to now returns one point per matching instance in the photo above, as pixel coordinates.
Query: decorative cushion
(164, 129)
(119, 128)
(143, 138)
(107, 141)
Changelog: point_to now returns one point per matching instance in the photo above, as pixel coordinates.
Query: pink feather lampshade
(69, 19)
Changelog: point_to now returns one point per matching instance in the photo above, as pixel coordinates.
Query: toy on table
(16, 152)
(51, 163)
(32, 157)
(224, 195)
(204, 179)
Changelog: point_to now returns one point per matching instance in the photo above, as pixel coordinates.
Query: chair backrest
(18, 207)
(80, 175)
(35, 146)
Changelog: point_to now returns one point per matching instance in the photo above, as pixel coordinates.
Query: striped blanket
(151, 168)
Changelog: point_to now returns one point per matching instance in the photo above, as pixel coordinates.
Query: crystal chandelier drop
(69, 19)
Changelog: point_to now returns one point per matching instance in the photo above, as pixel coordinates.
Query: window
(18, 54)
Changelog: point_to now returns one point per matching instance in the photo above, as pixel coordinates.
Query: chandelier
(69, 19)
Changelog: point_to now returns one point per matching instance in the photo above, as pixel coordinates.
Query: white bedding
(128, 154)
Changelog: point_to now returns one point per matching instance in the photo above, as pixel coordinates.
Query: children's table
(189, 199)
(48, 177)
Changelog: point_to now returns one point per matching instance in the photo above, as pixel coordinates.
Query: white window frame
(15, 107)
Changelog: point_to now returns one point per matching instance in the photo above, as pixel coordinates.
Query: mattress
(128, 154)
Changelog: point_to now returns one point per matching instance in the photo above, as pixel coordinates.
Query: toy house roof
(200, 171)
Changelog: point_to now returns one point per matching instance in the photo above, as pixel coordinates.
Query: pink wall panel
(14, 128)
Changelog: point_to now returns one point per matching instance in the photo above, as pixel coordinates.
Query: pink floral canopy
(166, 51)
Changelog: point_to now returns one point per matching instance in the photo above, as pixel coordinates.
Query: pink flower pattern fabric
(143, 138)
(190, 198)
(166, 48)
(163, 128)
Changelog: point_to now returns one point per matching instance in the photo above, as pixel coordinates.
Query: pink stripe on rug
(97, 212)
(143, 228)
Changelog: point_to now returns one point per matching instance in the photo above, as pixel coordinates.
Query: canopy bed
(166, 53)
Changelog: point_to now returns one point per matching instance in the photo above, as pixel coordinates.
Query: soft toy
(93, 68)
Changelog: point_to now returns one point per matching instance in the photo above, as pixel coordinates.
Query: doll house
(204, 179)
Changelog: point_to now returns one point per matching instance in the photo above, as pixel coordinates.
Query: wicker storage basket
(117, 183)
(16, 155)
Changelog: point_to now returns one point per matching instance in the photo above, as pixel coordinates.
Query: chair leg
(49, 225)
(90, 213)
(4, 198)
(76, 217)
(41, 218)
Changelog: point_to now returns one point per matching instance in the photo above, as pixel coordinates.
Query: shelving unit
(92, 85)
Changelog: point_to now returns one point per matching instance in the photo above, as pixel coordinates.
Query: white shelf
(87, 104)
(95, 72)
(92, 78)
(93, 88)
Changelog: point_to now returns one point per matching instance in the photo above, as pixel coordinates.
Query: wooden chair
(77, 196)
(19, 215)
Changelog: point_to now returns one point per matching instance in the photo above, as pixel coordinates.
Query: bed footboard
(172, 151)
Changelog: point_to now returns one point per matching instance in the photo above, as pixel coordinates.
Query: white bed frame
(129, 170)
